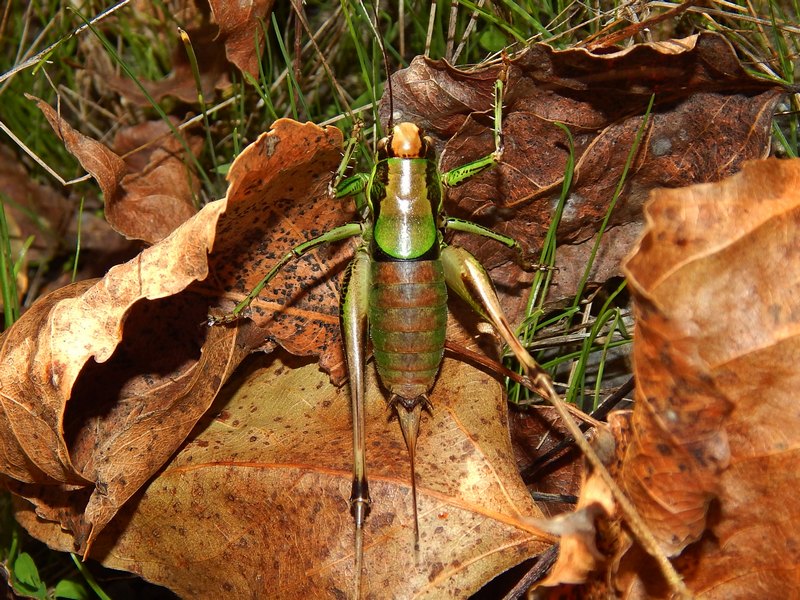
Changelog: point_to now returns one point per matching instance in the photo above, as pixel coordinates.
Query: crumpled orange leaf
(255, 503)
(578, 554)
(148, 196)
(708, 454)
(709, 116)
(716, 426)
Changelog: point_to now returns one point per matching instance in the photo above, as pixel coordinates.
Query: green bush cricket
(395, 288)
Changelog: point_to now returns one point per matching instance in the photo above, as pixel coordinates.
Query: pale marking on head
(406, 141)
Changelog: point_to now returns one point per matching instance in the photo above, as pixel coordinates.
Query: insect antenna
(379, 39)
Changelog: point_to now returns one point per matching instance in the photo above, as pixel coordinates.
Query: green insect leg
(453, 224)
(355, 327)
(354, 186)
(334, 235)
(467, 278)
(460, 174)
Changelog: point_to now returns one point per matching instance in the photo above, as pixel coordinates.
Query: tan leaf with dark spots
(255, 504)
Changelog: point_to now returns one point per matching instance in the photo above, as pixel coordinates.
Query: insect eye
(383, 147)
(428, 147)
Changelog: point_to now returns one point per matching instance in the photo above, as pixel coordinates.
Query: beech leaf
(716, 355)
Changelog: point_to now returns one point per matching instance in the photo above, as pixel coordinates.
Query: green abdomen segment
(408, 322)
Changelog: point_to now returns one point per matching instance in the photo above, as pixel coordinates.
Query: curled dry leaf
(255, 503)
(102, 382)
(240, 29)
(146, 196)
(578, 553)
(160, 190)
(716, 440)
(279, 197)
(90, 410)
(709, 116)
(708, 454)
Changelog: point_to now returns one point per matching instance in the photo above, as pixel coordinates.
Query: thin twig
(33, 60)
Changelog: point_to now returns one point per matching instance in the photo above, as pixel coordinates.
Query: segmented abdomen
(408, 321)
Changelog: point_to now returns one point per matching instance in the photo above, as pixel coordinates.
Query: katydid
(395, 289)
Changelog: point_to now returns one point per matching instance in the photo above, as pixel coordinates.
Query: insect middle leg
(334, 235)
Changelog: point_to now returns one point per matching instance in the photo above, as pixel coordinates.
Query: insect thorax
(406, 198)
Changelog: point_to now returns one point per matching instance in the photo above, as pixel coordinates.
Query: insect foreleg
(460, 174)
(354, 186)
(355, 326)
(334, 235)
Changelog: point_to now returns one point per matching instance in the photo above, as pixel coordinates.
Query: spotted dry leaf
(255, 503)
(103, 381)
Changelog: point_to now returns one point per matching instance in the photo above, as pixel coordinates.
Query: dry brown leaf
(180, 83)
(160, 190)
(144, 200)
(278, 197)
(235, 37)
(592, 537)
(578, 553)
(535, 432)
(90, 411)
(240, 29)
(709, 116)
(101, 384)
(24, 198)
(255, 504)
(716, 431)
(467, 478)
(708, 454)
